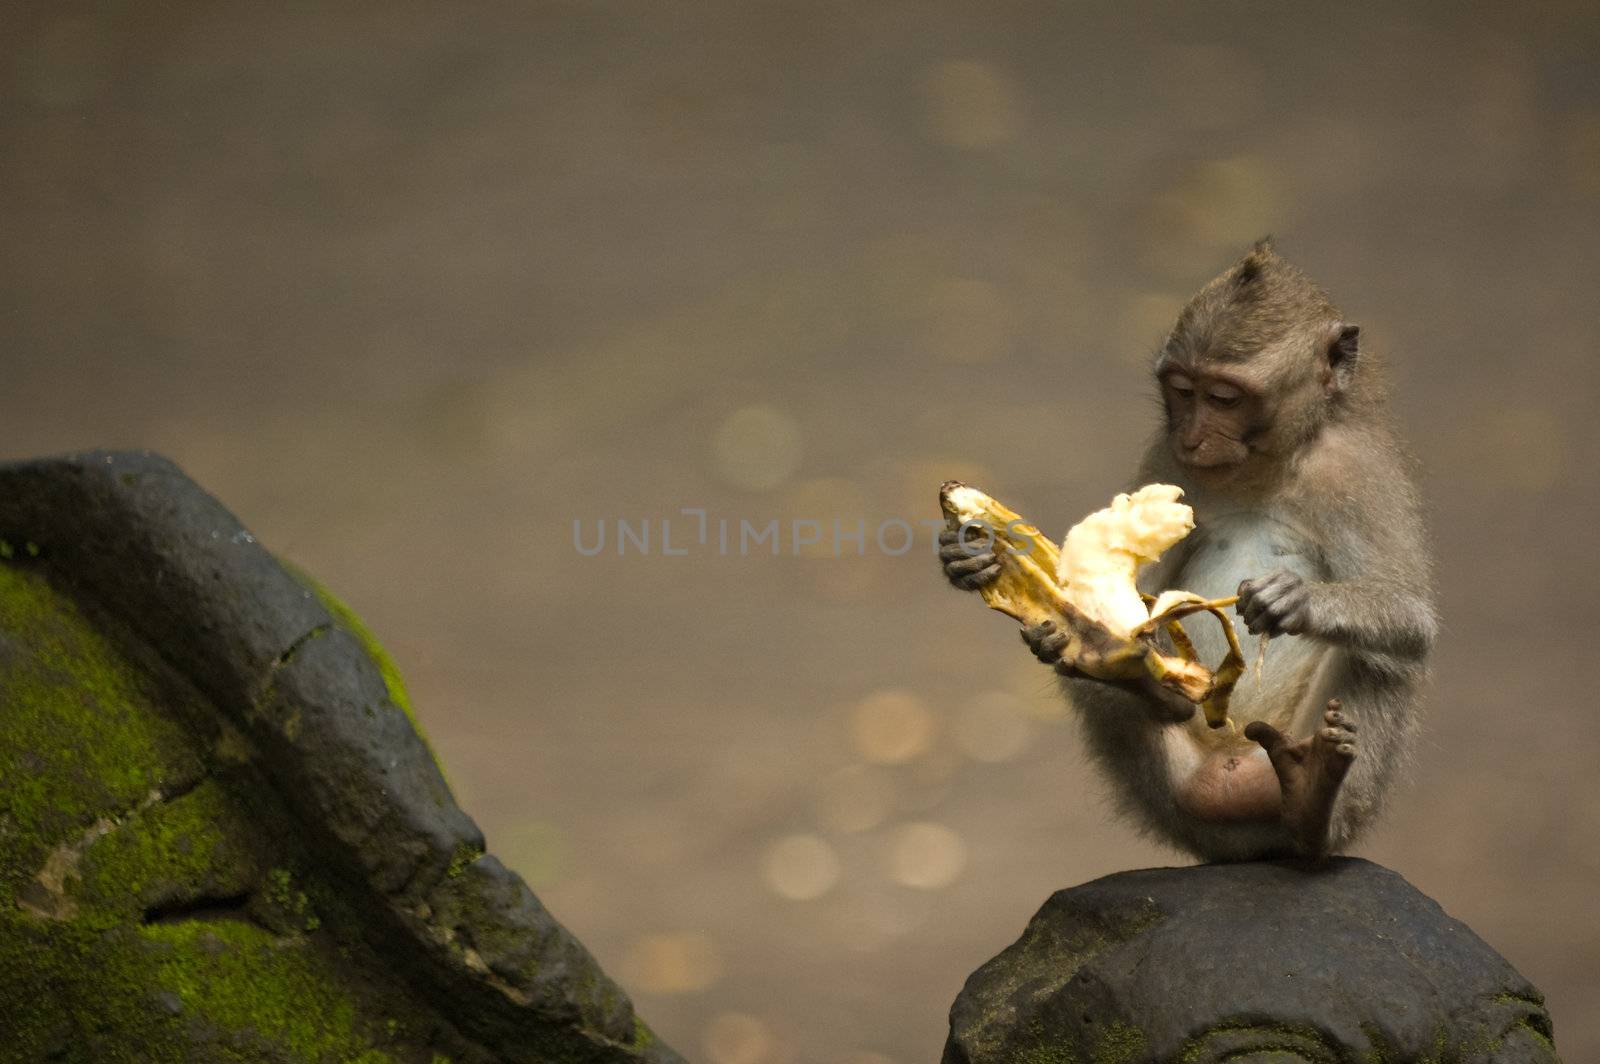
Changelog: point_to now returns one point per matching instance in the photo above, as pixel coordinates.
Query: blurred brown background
(412, 286)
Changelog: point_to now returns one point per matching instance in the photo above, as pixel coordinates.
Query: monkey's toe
(1332, 750)
(1273, 741)
(1340, 733)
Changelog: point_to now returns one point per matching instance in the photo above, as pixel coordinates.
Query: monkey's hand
(968, 565)
(1276, 604)
(1047, 640)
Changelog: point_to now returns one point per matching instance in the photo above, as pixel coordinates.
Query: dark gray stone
(1259, 962)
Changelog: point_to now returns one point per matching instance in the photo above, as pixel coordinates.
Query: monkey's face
(1211, 419)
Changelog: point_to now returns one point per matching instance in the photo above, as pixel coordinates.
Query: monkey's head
(1257, 364)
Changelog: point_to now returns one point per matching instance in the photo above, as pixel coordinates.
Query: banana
(1087, 587)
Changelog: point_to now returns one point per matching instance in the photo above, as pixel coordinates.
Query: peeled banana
(1087, 586)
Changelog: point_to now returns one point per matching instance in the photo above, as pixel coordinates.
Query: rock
(215, 799)
(1256, 962)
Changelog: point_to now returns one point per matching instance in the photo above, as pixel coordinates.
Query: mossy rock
(222, 837)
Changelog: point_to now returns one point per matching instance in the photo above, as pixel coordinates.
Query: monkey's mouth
(1212, 464)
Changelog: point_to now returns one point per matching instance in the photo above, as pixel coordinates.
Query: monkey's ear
(1343, 350)
(1254, 262)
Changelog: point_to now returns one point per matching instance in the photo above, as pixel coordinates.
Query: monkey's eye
(1181, 386)
(1224, 396)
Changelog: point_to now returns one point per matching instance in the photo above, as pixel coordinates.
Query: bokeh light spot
(892, 727)
(838, 508)
(926, 856)
(757, 448)
(738, 1038)
(972, 105)
(681, 962)
(870, 919)
(801, 867)
(1213, 207)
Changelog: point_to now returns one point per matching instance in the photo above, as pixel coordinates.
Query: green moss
(464, 855)
(1535, 1021)
(167, 855)
(241, 977)
(1379, 1049)
(1119, 1043)
(1441, 1046)
(9, 551)
(223, 990)
(351, 622)
(1292, 1041)
(284, 906)
(1537, 1032)
(79, 736)
(127, 873)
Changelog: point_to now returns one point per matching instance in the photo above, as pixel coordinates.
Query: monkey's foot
(1309, 773)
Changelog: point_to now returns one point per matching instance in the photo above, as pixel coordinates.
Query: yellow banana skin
(1026, 590)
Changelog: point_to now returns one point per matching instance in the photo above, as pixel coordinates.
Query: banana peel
(1028, 589)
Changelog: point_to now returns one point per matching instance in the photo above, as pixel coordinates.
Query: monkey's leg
(1309, 774)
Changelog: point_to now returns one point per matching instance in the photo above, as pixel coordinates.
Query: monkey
(1275, 422)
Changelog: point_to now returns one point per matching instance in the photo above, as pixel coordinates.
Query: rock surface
(222, 837)
(1258, 962)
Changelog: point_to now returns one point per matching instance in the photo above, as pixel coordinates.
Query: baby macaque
(1278, 432)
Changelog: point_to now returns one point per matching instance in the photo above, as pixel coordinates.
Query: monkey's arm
(1387, 618)
(1378, 594)
(1388, 612)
